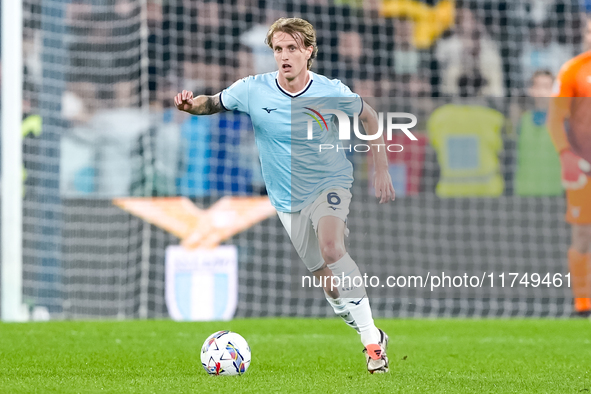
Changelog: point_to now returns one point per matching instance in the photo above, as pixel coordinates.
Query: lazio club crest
(201, 284)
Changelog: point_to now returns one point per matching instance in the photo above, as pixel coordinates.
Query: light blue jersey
(294, 170)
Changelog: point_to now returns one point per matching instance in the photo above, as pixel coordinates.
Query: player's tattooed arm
(200, 105)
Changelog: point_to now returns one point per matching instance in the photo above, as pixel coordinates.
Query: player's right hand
(184, 100)
(573, 170)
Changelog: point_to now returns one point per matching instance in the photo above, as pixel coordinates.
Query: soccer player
(569, 123)
(313, 208)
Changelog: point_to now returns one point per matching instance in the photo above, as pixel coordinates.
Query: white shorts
(302, 226)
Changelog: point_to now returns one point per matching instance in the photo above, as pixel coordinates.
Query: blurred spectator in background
(420, 101)
(563, 17)
(406, 57)
(539, 11)
(412, 93)
(371, 7)
(210, 62)
(351, 58)
(350, 48)
(109, 77)
(254, 39)
(467, 139)
(471, 84)
(365, 87)
(538, 164)
(33, 67)
(245, 64)
(203, 75)
(469, 48)
(541, 51)
(420, 84)
(76, 102)
(351, 3)
(156, 54)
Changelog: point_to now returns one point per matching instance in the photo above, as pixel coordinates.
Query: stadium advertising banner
(201, 284)
(201, 278)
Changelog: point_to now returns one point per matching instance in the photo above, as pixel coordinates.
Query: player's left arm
(382, 180)
(558, 112)
(573, 167)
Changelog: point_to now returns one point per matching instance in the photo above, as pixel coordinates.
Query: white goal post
(12, 182)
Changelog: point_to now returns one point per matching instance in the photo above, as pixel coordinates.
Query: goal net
(101, 74)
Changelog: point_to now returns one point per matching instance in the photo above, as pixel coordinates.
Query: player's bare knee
(332, 251)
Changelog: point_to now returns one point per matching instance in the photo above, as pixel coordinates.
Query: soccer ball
(225, 353)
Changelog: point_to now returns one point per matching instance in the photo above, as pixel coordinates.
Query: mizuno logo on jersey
(269, 110)
(333, 208)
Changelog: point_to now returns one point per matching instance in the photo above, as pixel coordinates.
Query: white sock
(355, 298)
(340, 308)
(367, 329)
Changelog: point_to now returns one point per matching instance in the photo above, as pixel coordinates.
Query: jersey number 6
(333, 198)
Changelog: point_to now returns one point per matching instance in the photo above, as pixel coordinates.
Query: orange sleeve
(565, 84)
(559, 111)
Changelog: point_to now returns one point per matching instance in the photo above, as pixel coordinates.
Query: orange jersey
(574, 78)
(574, 81)
(573, 85)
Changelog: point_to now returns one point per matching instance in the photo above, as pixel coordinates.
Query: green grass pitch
(298, 356)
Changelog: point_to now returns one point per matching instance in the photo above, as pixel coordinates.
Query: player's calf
(579, 262)
(325, 276)
(340, 309)
(352, 293)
